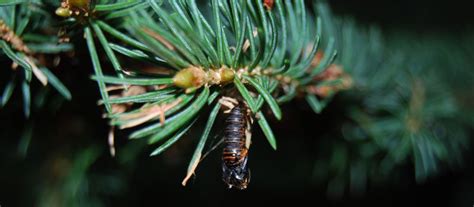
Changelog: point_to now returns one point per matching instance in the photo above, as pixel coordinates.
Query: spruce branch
(24, 42)
(262, 52)
(91, 15)
(265, 50)
(160, 65)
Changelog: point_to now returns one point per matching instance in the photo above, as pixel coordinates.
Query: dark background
(283, 175)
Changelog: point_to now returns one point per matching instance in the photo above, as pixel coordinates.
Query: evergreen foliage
(26, 37)
(161, 65)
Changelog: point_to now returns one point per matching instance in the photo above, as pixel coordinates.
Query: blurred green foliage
(410, 106)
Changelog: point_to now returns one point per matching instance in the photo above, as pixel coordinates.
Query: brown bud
(63, 12)
(227, 75)
(190, 78)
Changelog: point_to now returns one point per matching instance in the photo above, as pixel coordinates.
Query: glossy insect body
(235, 172)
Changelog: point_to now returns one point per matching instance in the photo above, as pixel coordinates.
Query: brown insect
(235, 172)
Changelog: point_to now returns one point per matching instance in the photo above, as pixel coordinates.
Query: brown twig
(7, 34)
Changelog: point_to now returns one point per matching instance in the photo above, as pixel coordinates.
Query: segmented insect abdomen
(234, 140)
